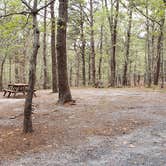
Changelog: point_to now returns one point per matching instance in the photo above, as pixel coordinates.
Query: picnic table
(16, 88)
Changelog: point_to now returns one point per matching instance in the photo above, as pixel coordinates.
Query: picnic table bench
(16, 88)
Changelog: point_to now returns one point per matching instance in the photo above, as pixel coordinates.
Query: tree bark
(10, 69)
(101, 52)
(109, 17)
(53, 52)
(71, 74)
(130, 11)
(27, 127)
(113, 47)
(77, 65)
(162, 69)
(159, 51)
(1, 73)
(83, 47)
(64, 90)
(149, 79)
(89, 69)
(16, 69)
(135, 76)
(45, 75)
(23, 68)
(93, 68)
(153, 51)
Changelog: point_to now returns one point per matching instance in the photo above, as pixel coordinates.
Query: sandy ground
(106, 127)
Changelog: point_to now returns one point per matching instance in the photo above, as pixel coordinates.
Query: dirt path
(106, 127)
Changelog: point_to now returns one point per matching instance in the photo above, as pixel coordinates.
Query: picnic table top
(18, 84)
(17, 88)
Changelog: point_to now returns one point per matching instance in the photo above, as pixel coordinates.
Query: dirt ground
(106, 127)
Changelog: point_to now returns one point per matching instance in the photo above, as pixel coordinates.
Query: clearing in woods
(114, 127)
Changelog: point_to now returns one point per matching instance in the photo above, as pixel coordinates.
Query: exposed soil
(114, 127)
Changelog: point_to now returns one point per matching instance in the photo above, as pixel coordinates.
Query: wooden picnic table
(16, 88)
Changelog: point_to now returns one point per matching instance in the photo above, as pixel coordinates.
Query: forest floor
(106, 127)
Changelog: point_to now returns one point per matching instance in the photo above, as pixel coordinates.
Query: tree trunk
(17, 78)
(83, 47)
(129, 80)
(159, 51)
(64, 90)
(77, 82)
(25, 54)
(71, 74)
(53, 52)
(162, 69)
(153, 51)
(109, 17)
(45, 76)
(110, 21)
(101, 52)
(10, 70)
(135, 70)
(93, 69)
(135, 76)
(1, 73)
(149, 80)
(1, 78)
(27, 127)
(89, 69)
(23, 68)
(127, 46)
(113, 48)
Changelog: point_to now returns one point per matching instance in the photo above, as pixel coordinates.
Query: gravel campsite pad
(106, 127)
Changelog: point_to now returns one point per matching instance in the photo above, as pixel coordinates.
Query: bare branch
(16, 13)
(141, 12)
(27, 5)
(45, 5)
(26, 12)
